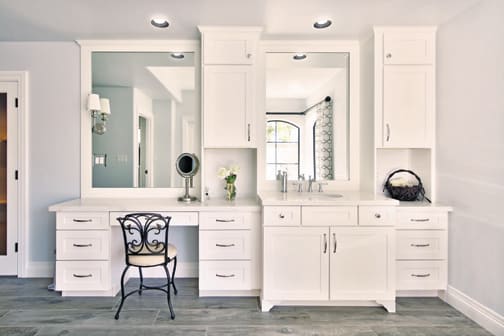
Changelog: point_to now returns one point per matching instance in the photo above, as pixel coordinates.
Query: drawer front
(421, 244)
(82, 245)
(178, 218)
(408, 48)
(329, 215)
(421, 275)
(230, 245)
(376, 216)
(225, 221)
(282, 215)
(225, 275)
(82, 275)
(82, 220)
(422, 220)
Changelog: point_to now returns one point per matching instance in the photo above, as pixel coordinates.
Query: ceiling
(63, 20)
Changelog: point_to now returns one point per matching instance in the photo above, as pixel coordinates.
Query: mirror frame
(87, 48)
(353, 119)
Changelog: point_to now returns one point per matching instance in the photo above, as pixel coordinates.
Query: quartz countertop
(325, 198)
(155, 204)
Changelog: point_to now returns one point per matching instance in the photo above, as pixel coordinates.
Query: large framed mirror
(152, 115)
(311, 113)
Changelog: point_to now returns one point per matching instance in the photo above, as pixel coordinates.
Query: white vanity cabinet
(338, 259)
(229, 253)
(405, 86)
(228, 92)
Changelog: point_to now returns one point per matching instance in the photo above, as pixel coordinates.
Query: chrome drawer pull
(420, 275)
(224, 275)
(420, 245)
(377, 215)
(420, 219)
(325, 243)
(224, 245)
(225, 220)
(335, 243)
(82, 220)
(82, 245)
(83, 275)
(282, 216)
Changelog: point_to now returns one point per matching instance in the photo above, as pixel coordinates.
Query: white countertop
(325, 198)
(155, 204)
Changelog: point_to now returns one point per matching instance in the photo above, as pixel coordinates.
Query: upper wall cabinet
(229, 86)
(408, 48)
(405, 87)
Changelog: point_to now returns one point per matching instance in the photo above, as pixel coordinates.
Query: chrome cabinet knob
(389, 55)
(377, 215)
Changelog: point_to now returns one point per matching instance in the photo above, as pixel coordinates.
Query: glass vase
(230, 191)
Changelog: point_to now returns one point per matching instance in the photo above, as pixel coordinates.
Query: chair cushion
(150, 260)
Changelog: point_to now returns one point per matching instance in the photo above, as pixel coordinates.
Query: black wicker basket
(405, 193)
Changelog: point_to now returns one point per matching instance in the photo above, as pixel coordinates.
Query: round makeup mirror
(187, 166)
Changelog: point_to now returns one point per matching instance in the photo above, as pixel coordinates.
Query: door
(228, 104)
(408, 106)
(8, 182)
(142, 152)
(360, 263)
(296, 263)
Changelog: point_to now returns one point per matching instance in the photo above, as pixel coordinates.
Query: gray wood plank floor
(27, 308)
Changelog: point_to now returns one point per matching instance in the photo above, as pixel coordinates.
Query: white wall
(54, 132)
(470, 156)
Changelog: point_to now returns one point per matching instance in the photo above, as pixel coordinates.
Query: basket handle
(403, 171)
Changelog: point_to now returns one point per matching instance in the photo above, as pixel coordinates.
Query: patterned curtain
(323, 141)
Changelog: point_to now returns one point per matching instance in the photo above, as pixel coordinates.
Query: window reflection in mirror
(307, 115)
(153, 117)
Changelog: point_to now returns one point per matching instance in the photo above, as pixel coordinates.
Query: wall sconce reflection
(100, 111)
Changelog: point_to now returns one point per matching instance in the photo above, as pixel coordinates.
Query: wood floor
(27, 308)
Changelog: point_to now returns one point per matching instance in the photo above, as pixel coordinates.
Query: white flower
(234, 169)
(223, 172)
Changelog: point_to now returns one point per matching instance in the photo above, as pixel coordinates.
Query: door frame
(21, 78)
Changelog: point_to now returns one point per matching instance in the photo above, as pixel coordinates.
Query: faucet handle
(320, 184)
(299, 185)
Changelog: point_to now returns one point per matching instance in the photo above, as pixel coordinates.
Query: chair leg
(168, 296)
(173, 276)
(122, 293)
(141, 281)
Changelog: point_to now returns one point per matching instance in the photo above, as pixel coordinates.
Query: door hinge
(16, 246)
(16, 102)
(16, 175)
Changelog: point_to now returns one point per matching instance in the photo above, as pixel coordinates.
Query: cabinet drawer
(421, 244)
(422, 220)
(376, 216)
(408, 48)
(82, 245)
(230, 245)
(82, 220)
(182, 218)
(225, 275)
(282, 216)
(329, 215)
(421, 275)
(224, 221)
(82, 275)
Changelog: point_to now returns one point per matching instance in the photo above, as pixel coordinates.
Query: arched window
(282, 149)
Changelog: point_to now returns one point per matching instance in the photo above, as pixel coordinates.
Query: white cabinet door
(408, 106)
(296, 263)
(408, 48)
(228, 106)
(361, 260)
(229, 48)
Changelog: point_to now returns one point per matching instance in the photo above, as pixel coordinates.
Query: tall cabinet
(404, 107)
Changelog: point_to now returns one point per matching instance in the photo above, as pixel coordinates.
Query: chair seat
(151, 260)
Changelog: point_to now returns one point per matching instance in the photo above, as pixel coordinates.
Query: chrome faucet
(310, 184)
(300, 182)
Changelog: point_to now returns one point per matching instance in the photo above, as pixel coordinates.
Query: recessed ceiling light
(177, 55)
(160, 23)
(299, 57)
(321, 24)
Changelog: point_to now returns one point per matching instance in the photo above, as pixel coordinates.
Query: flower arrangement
(229, 175)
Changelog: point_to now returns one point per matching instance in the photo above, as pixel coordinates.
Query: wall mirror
(310, 93)
(154, 116)
(307, 115)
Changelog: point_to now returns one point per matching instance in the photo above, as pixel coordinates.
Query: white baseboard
(39, 269)
(484, 316)
(184, 270)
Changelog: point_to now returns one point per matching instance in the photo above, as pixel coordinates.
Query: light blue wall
(54, 132)
(471, 149)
